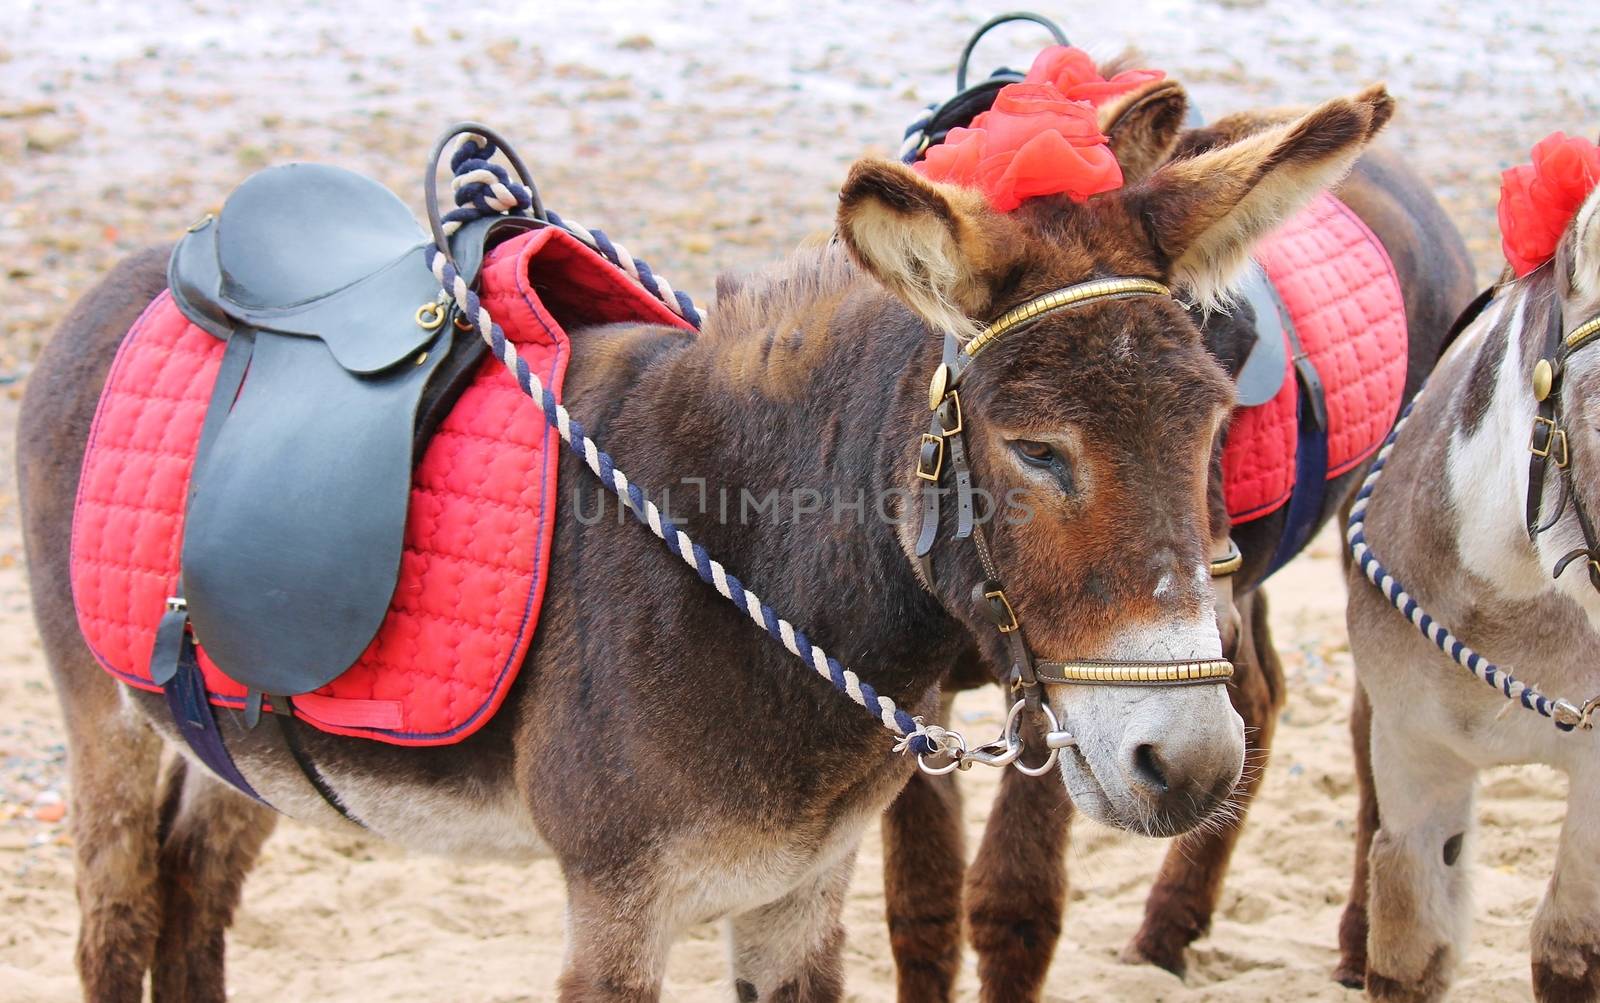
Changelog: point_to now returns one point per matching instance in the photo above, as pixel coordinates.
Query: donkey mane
(771, 300)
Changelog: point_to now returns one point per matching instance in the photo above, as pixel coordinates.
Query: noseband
(943, 457)
(1548, 444)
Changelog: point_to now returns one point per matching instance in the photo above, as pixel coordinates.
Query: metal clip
(1006, 750)
(1570, 717)
(177, 604)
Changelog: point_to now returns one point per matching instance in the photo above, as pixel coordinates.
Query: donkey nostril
(1148, 767)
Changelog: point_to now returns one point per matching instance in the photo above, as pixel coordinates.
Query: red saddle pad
(1343, 296)
(478, 530)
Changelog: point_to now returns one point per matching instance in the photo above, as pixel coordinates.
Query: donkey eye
(1037, 454)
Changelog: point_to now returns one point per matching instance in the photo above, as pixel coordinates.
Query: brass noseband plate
(1205, 670)
(1582, 333)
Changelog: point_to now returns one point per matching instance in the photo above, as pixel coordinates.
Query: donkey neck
(1491, 418)
(779, 439)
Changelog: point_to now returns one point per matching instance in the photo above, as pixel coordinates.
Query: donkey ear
(1142, 126)
(1206, 212)
(924, 241)
(1583, 257)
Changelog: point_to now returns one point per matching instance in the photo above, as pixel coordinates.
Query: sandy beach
(710, 136)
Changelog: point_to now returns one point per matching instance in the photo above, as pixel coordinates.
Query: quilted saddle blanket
(478, 528)
(1342, 297)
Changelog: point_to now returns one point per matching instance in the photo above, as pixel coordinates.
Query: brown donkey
(1015, 893)
(678, 765)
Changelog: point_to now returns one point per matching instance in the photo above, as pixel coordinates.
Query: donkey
(676, 764)
(1480, 560)
(1015, 892)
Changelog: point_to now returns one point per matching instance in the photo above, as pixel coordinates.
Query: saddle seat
(340, 359)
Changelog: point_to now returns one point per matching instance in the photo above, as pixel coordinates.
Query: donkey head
(1097, 423)
(1575, 351)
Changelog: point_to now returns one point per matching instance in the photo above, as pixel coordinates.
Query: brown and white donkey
(671, 757)
(1015, 892)
(1450, 519)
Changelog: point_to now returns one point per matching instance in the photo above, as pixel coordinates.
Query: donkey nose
(1148, 771)
(1182, 775)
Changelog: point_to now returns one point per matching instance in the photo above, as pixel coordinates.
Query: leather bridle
(1548, 445)
(943, 457)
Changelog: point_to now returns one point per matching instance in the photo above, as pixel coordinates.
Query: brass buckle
(1011, 614)
(935, 457)
(953, 400)
(1551, 438)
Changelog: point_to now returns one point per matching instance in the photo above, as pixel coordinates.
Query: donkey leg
(1179, 908)
(1352, 970)
(1566, 927)
(114, 764)
(924, 864)
(616, 944)
(1417, 905)
(788, 951)
(1017, 888)
(209, 841)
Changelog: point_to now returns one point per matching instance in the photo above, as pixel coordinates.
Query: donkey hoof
(1570, 976)
(1350, 975)
(1142, 952)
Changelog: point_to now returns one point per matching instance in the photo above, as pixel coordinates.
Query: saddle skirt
(1341, 295)
(478, 527)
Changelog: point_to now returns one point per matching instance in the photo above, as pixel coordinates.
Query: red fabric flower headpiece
(1041, 137)
(1538, 200)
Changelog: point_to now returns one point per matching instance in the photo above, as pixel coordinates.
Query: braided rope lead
(916, 134)
(483, 188)
(1565, 716)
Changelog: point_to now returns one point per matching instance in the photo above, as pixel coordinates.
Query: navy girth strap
(1310, 455)
(177, 670)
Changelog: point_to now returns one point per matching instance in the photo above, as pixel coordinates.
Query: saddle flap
(294, 528)
(1265, 367)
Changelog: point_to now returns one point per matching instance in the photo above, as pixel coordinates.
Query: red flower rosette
(1074, 74)
(1033, 141)
(1538, 200)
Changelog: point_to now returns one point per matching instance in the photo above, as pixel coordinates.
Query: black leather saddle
(341, 359)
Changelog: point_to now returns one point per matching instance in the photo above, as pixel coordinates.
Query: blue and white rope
(484, 188)
(918, 738)
(1565, 716)
(916, 134)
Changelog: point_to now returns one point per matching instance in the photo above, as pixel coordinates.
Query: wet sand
(707, 136)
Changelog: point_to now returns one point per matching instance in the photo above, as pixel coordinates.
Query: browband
(1074, 295)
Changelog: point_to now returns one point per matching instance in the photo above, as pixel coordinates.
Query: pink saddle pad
(478, 529)
(1343, 297)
